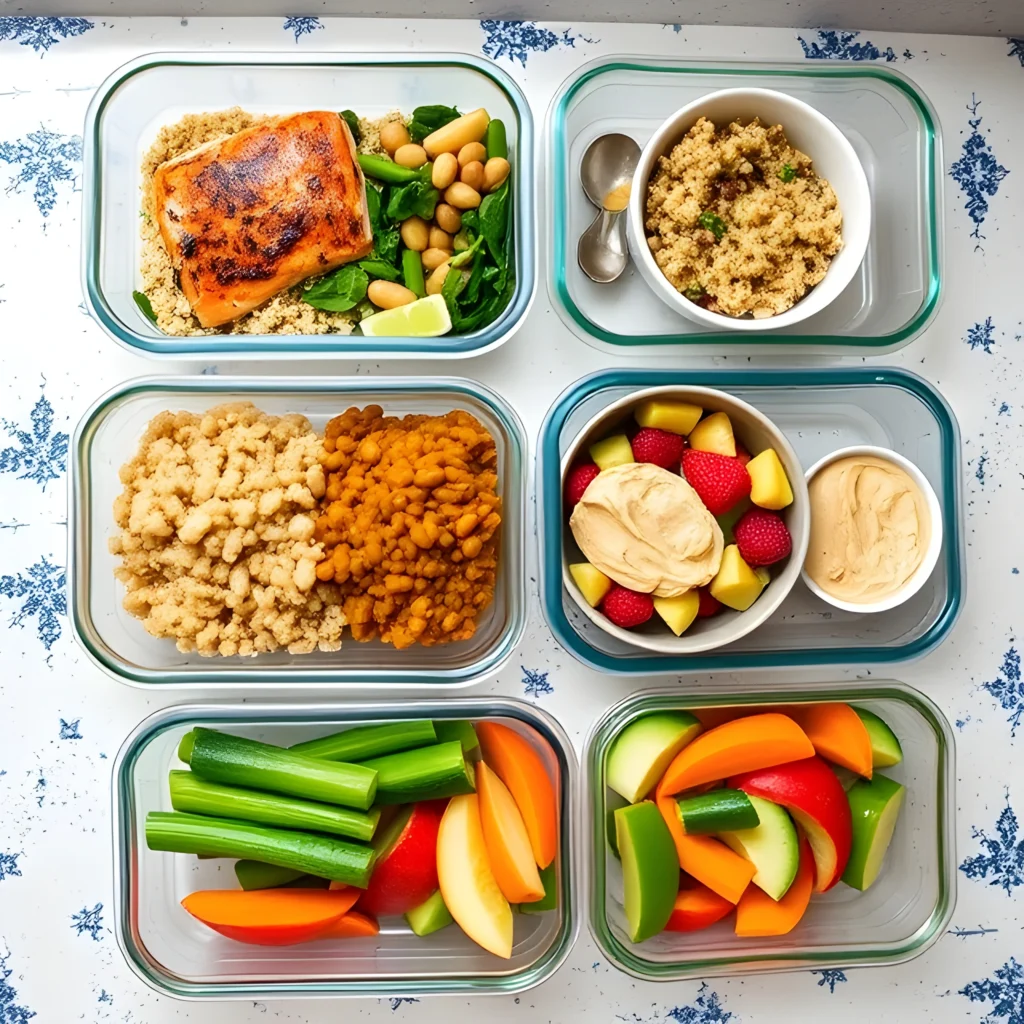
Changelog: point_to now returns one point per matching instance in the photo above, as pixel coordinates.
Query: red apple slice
(405, 873)
(813, 795)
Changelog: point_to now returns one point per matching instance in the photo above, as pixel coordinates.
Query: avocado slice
(645, 748)
(430, 916)
(650, 869)
(885, 747)
(875, 806)
(772, 847)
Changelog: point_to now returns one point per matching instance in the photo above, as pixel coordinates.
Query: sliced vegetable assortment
(442, 822)
(747, 809)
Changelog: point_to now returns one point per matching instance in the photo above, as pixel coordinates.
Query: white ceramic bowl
(810, 132)
(931, 555)
(757, 433)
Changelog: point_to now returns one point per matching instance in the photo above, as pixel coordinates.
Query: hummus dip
(870, 529)
(646, 528)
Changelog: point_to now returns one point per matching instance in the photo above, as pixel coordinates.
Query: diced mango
(592, 582)
(769, 484)
(736, 585)
(675, 417)
(678, 612)
(714, 434)
(612, 451)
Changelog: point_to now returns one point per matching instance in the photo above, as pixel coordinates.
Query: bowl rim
(652, 273)
(935, 541)
(678, 645)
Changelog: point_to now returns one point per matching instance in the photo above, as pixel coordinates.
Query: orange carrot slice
(706, 859)
(506, 839)
(763, 740)
(758, 915)
(838, 735)
(520, 767)
(269, 917)
(697, 907)
(351, 926)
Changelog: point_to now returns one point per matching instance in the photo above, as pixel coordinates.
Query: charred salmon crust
(246, 217)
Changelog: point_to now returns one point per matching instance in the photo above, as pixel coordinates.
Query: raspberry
(658, 446)
(627, 608)
(578, 480)
(762, 537)
(719, 480)
(708, 605)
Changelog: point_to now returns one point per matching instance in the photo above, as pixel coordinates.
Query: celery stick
(236, 761)
(424, 774)
(326, 856)
(448, 729)
(197, 796)
(366, 741)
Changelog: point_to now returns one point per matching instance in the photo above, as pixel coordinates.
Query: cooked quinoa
(285, 313)
(738, 221)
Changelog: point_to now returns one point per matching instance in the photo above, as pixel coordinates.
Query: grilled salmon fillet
(247, 216)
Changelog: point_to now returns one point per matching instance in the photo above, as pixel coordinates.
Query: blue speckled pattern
(62, 720)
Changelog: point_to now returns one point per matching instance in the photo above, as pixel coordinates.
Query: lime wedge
(424, 318)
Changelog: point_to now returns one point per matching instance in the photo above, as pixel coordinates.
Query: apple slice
(612, 451)
(875, 806)
(885, 747)
(679, 612)
(405, 871)
(697, 907)
(714, 434)
(467, 884)
(592, 582)
(810, 791)
(650, 869)
(644, 749)
(675, 417)
(772, 847)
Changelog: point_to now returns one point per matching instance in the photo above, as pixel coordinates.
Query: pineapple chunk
(736, 585)
(769, 483)
(678, 612)
(612, 451)
(592, 582)
(675, 417)
(714, 434)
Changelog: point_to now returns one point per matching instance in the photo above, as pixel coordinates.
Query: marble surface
(62, 720)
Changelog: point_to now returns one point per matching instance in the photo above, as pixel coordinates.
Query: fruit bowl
(722, 419)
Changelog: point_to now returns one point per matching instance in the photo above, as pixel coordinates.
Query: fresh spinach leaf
(338, 291)
(451, 289)
(349, 117)
(471, 221)
(379, 269)
(142, 301)
(418, 198)
(385, 235)
(428, 119)
(494, 221)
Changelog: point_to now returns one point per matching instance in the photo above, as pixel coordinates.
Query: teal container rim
(552, 522)
(124, 830)
(592, 799)
(875, 345)
(79, 504)
(308, 345)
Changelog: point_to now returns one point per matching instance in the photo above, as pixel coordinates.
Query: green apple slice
(885, 747)
(650, 869)
(875, 805)
(612, 802)
(721, 810)
(430, 916)
(550, 898)
(645, 748)
(773, 848)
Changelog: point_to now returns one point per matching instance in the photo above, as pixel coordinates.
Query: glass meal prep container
(178, 956)
(140, 97)
(819, 411)
(900, 916)
(108, 436)
(889, 122)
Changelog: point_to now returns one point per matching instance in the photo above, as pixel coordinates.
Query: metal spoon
(608, 163)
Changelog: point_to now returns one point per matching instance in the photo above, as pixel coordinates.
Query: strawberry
(708, 605)
(720, 481)
(762, 537)
(658, 446)
(578, 481)
(627, 608)
(742, 455)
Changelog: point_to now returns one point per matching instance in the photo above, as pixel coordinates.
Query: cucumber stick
(425, 774)
(366, 741)
(193, 795)
(326, 856)
(236, 761)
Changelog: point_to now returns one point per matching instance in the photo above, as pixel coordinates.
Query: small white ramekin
(810, 132)
(931, 555)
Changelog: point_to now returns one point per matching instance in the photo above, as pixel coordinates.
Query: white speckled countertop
(62, 720)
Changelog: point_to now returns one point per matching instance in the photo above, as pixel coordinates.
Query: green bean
(496, 144)
(383, 169)
(412, 272)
